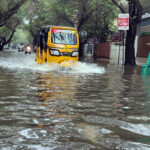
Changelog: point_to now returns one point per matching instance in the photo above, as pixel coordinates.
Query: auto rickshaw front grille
(65, 53)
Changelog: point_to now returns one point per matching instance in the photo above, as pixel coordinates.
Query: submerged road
(91, 107)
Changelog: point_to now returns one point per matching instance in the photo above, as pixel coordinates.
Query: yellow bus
(57, 44)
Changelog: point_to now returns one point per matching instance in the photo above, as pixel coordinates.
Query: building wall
(144, 27)
(143, 46)
(145, 22)
(117, 54)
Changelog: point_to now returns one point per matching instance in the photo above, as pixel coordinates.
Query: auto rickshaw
(57, 44)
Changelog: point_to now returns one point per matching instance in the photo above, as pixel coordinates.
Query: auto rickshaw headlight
(74, 54)
(54, 52)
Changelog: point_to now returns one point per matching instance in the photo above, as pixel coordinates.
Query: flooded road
(91, 107)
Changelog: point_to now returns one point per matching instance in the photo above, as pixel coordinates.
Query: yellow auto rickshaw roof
(50, 26)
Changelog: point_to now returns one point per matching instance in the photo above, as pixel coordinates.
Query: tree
(36, 13)
(9, 8)
(8, 22)
(8, 31)
(100, 25)
(89, 15)
(135, 14)
(76, 17)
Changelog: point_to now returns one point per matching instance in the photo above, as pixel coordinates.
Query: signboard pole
(119, 47)
(123, 49)
(123, 25)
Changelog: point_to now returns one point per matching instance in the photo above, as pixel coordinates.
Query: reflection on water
(90, 107)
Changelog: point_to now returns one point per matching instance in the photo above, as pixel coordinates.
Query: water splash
(87, 68)
(21, 61)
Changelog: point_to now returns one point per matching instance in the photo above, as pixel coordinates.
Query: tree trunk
(1, 47)
(4, 41)
(135, 13)
(130, 49)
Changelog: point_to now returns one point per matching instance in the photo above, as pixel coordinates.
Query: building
(142, 47)
(145, 23)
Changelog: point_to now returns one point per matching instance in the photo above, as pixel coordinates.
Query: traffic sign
(123, 21)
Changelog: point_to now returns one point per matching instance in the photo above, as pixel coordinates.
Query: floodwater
(91, 107)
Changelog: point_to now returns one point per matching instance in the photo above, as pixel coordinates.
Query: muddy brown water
(93, 107)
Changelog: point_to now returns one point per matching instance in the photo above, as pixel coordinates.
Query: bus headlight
(54, 53)
(74, 54)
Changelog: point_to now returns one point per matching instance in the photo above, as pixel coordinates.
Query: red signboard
(123, 21)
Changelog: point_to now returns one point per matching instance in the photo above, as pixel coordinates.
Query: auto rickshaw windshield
(62, 36)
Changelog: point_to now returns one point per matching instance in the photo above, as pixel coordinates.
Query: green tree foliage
(101, 25)
(7, 31)
(89, 15)
(8, 22)
(36, 14)
(20, 36)
(9, 8)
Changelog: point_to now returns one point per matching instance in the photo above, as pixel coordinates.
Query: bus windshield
(61, 36)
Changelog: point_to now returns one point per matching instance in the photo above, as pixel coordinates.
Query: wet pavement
(94, 106)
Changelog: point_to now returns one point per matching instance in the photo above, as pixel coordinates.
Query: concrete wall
(114, 54)
(136, 45)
